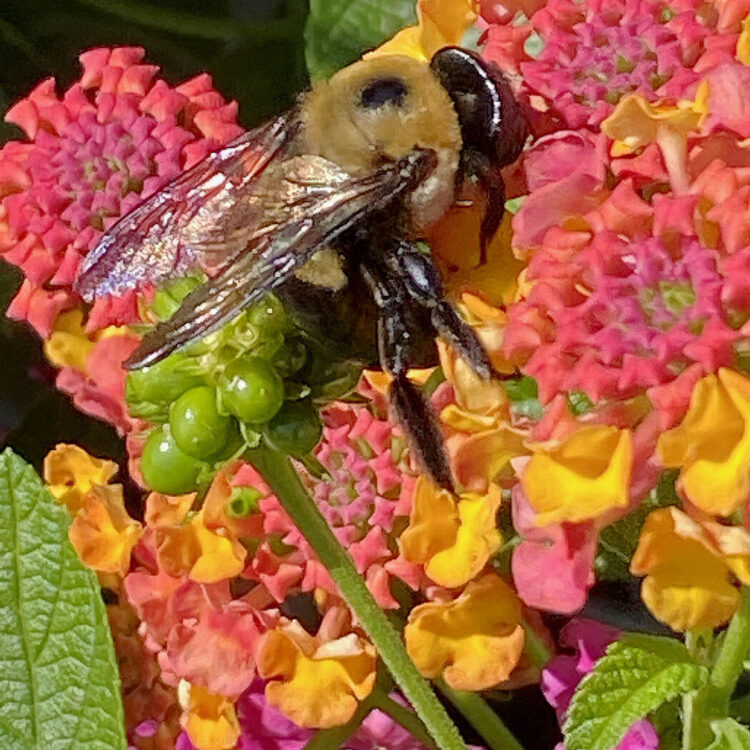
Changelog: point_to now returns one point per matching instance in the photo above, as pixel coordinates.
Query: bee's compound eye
(383, 91)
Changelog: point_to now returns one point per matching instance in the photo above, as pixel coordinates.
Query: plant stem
(728, 666)
(332, 739)
(403, 716)
(486, 722)
(535, 647)
(284, 481)
(712, 701)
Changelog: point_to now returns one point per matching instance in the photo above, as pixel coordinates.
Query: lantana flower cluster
(614, 302)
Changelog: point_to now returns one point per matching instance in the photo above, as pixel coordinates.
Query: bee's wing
(327, 206)
(206, 211)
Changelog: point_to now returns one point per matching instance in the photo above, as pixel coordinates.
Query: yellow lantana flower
(687, 582)
(315, 684)
(484, 442)
(205, 555)
(70, 473)
(69, 345)
(440, 23)
(102, 532)
(584, 477)
(452, 537)
(475, 641)
(209, 720)
(712, 444)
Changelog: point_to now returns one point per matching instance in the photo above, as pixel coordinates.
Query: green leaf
(730, 735)
(618, 541)
(638, 674)
(339, 31)
(59, 681)
(523, 393)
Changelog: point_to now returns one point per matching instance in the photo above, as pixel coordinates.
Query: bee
(325, 205)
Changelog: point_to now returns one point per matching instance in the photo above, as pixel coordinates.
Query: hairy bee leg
(414, 414)
(418, 421)
(423, 284)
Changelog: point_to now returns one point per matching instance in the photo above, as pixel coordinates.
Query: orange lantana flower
(210, 720)
(585, 476)
(102, 532)
(687, 567)
(475, 641)
(70, 473)
(441, 23)
(315, 684)
(452, 537)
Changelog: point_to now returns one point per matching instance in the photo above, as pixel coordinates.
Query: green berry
(163, 382)
(268, 316)
(165, 468)
(197, 427)
(296, 429)
(251, 390)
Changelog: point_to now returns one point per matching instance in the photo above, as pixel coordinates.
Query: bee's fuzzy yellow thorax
(339, 128)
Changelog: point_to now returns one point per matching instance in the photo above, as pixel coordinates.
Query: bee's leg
(414, 414)
(422, 281)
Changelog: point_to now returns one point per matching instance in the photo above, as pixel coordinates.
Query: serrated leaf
(730, 735)
(59, 680)
(638, 674)
(339, 31)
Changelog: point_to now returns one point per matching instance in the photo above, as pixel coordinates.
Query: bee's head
(493, 129)
(492, 126)
(379, 109)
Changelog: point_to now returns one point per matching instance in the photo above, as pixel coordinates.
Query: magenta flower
(114, 137)
(589, 640)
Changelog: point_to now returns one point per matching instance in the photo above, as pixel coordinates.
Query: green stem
(334, 738)
(728, 666)
(403, 716)
(486, 722)
(284, 481)
(712, 701)
(535, 647)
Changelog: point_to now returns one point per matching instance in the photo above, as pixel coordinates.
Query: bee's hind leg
(421, 280)
(394, 339)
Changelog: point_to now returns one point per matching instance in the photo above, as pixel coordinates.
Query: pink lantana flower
(370, 493)
(589, 640)
(577, 60)
(639, 285)
(113, 138)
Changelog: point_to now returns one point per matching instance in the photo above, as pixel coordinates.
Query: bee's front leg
(394, 340)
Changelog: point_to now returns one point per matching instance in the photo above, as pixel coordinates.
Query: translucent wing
(208, 210)
(324, 202)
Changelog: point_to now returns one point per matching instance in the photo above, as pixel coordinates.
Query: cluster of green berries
(257, 379)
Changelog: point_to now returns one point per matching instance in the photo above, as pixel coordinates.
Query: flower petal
(475, 642)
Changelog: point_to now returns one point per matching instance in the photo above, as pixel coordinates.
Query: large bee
(325, 206)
